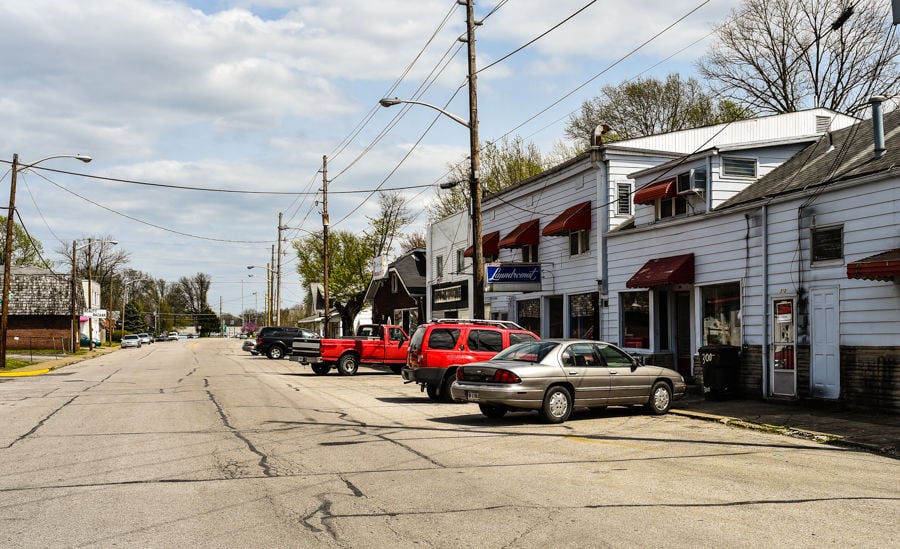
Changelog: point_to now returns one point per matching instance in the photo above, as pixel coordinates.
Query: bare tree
(647, 106)
(503, 163)
(411, 241)
(781, 56)
(191, 293)
(392, 218)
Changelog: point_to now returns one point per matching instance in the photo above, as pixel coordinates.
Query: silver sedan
(554, 376)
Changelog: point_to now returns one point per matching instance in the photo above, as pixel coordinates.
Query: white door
(825, 351)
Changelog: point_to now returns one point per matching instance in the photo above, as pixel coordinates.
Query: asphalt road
(197, 443)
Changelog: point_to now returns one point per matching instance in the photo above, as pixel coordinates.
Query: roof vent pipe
(878, 124)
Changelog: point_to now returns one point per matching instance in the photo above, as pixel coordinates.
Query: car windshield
(532, 351)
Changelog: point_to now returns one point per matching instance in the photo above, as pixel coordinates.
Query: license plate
(471, 395)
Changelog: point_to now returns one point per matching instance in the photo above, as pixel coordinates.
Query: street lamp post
(7, 253)
(269, 281)
(474, 161)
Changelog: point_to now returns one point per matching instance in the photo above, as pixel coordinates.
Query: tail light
(500, 376)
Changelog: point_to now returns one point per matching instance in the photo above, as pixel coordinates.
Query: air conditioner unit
(692, 182)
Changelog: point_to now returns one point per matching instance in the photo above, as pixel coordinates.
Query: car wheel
(557, 406)
(445, 388)
(348, 365)
(432, 391)
(660, 398)
(275, 352)
(494, 412)
(396, 368)
(321, 369)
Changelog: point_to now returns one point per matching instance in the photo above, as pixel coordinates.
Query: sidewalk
(811, 420)
(808, 419)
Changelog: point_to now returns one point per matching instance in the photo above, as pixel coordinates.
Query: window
(613, 357)
(635, 315)
(460, 261)
(738, 167)
(671, 207)
(528, 314)
(721, 314)
(579, 242)
(443, 338)
(580, 354)
(827, 243)
(623, 199)
(519, 337)
(583, 316)
(530, 254)
(439, 266)
(395, 285)
(485, 340)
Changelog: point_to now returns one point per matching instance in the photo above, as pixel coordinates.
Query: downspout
(878, 125)
(765, 296)
(429, 271)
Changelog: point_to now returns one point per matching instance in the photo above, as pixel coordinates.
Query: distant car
(85, 342)
(250, 346)
(554, 376)
(173, 336)
(161, 337)
(145, 338)
(131, 340)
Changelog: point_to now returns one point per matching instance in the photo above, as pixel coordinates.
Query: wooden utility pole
(477, 292)
(278, 275)
(326, 328)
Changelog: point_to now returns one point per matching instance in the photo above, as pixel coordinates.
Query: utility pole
(7, 271)
(475, 157)
(278, 274)
(326, 328)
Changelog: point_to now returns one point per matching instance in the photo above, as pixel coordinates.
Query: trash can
(721, 365)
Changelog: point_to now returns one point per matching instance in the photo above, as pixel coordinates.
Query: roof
(841, 155)
(40, 292)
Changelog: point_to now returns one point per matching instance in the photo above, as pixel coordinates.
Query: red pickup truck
(373, 344)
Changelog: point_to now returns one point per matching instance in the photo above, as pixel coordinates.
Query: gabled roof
(839, 156)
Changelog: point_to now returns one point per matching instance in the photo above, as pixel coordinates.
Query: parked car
(145, 338)
(131, 340)
(162, 337)
(373, 345)
(275, 341)
(436, 349)
(554, 376)
(250, 346)
(173, 336)
(85, 342)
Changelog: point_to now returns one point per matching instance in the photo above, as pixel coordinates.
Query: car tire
(275, 352)
(557, 405)
(396, 368)
(491, 411)
(321, 369)
(660, 398)
(348, 365)
(445, 395)
(432, 391)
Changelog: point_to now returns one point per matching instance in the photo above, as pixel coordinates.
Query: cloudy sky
(242, 98)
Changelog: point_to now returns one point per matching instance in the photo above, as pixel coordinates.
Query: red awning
(576, 218)
(660, 189)
(525, 234)
(884, 266)
(489, 245)
(664, 271)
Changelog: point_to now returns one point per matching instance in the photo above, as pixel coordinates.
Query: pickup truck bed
(374, 344)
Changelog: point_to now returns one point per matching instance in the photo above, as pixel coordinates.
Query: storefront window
(721, 314)
(529, 314)
(584, 316)
(635, 319)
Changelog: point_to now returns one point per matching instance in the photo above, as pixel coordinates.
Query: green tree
(503, 163)
(348, 270)
(26, 251)
(782, 56)
(647, 106)
(209, 322)
(134, 319)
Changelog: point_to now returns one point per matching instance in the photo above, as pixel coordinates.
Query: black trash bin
(721, 365)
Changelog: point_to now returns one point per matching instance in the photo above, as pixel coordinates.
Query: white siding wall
(869, 310)
(443, 239)
(767, 159)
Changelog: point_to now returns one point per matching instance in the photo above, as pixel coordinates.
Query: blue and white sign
(512, 277)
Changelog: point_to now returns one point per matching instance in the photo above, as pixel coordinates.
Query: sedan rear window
(533, 351)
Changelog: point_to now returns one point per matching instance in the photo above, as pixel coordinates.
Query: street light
(269, 280)
(75, 248)
(7, 254)
(474, 193)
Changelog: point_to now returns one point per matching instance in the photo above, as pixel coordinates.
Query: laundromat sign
(512, 277)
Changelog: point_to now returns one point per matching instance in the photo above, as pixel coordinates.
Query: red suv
(437, 348)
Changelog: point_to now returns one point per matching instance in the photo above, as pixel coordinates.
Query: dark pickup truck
(373, 344)
(275, 341)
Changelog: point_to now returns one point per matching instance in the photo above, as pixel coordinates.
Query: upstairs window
(671, 207)
(827, 243)
(579, 242)
(739, 167)
(529, 254)
(623, 199)
(460, 261)
(439, 266)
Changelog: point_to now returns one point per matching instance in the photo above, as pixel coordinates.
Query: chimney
(878, 124)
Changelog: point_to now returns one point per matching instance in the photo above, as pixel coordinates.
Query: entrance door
(784, 372)
(825, 369)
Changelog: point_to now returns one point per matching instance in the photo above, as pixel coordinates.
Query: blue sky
(248, 96)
